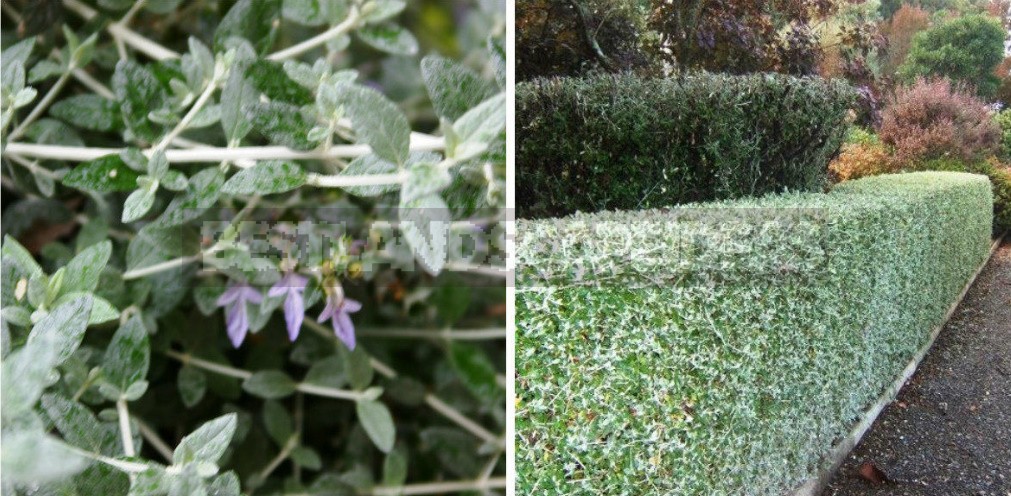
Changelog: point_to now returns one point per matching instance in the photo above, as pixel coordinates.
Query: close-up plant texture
(253, 247)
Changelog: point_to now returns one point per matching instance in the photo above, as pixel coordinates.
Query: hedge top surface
(625, 142)
(715, 240)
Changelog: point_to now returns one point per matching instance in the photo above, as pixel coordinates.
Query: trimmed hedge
(723, 348)
(624, 142)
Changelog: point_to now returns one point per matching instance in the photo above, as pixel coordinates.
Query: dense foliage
(253, 247)
(724, 348)
(935, 119)
(964, 49)
(625, 142)
(571, 37)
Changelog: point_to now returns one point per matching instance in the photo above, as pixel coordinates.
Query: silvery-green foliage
(244, 242)
(724, 348)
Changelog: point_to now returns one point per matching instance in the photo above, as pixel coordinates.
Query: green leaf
(327, 372)
(101, 309)
(63, 328)
(306, 457)
(395, 469)
(157, 165)
(425, 225)
(269, 384)
(15, 55)
(389, 38)
(85, 268)
(138, 203)
(272, 80)
(12, 250)
(281, 122)
(380, 10)
(43, 70)
(378, 423)
(173, 180)
(424, 179)
(278, 423)
(481, 124)
(236, 93)
(138, 93)
(273, 176)
(202, 193)
(497, 58)
(476, 372)
(377, 122)
(151, 482)
(192, 383)
(315, 12)
(226, 484)
(32, 457)
(154, 244)
(367, 165)
(253, 20)
(208, 442)
(127, 356)
(359, 369)
(26, 373)
(77, 424)
(104, 174)
(453, 88)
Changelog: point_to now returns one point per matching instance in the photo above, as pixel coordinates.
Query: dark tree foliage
(741, 36)
(570, 37)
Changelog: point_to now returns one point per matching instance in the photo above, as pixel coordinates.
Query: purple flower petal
(294, 313)
(237, 322)
(277, 290)
(228, 297)
(328, 311)
(351, 306)
(345, 329)
(250, 294)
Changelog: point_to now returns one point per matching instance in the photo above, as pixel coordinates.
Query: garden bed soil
(948, 432)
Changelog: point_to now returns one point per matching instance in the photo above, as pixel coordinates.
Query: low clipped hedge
(723, 348)
(623, 142)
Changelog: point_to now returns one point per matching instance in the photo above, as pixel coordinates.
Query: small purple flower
(337, 310)
(236, 318)
(292, 285)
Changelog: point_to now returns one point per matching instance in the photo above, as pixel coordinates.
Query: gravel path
(949, 430)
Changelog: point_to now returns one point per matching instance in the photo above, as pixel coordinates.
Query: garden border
(816, 484)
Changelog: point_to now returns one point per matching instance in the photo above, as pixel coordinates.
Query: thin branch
(161, 267)
(447, 334)
(348, 24)
(280, 458)
(181, 126)
(441, 487)
(230, 371)
(93, 84)
(216, 154)
(129, 36)
(152, 437)
(40, 108)
(460, 420)
(124, 427)
(485, 270)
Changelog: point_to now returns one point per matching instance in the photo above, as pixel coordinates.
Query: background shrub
(624, 142)
(723, 348)
(1003, 120)
(965, 49)
(861, 160)
(934, 119)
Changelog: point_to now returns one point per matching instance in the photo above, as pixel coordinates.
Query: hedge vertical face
(724, 348)
(253, 246)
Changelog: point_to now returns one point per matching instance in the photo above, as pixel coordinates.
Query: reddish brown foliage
(899, 32)
(861, 160)
(933, 119)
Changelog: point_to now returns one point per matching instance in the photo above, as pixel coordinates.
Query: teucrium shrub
(180, 209)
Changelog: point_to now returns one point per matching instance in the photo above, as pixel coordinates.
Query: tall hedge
(624, 142)
(722, 348)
